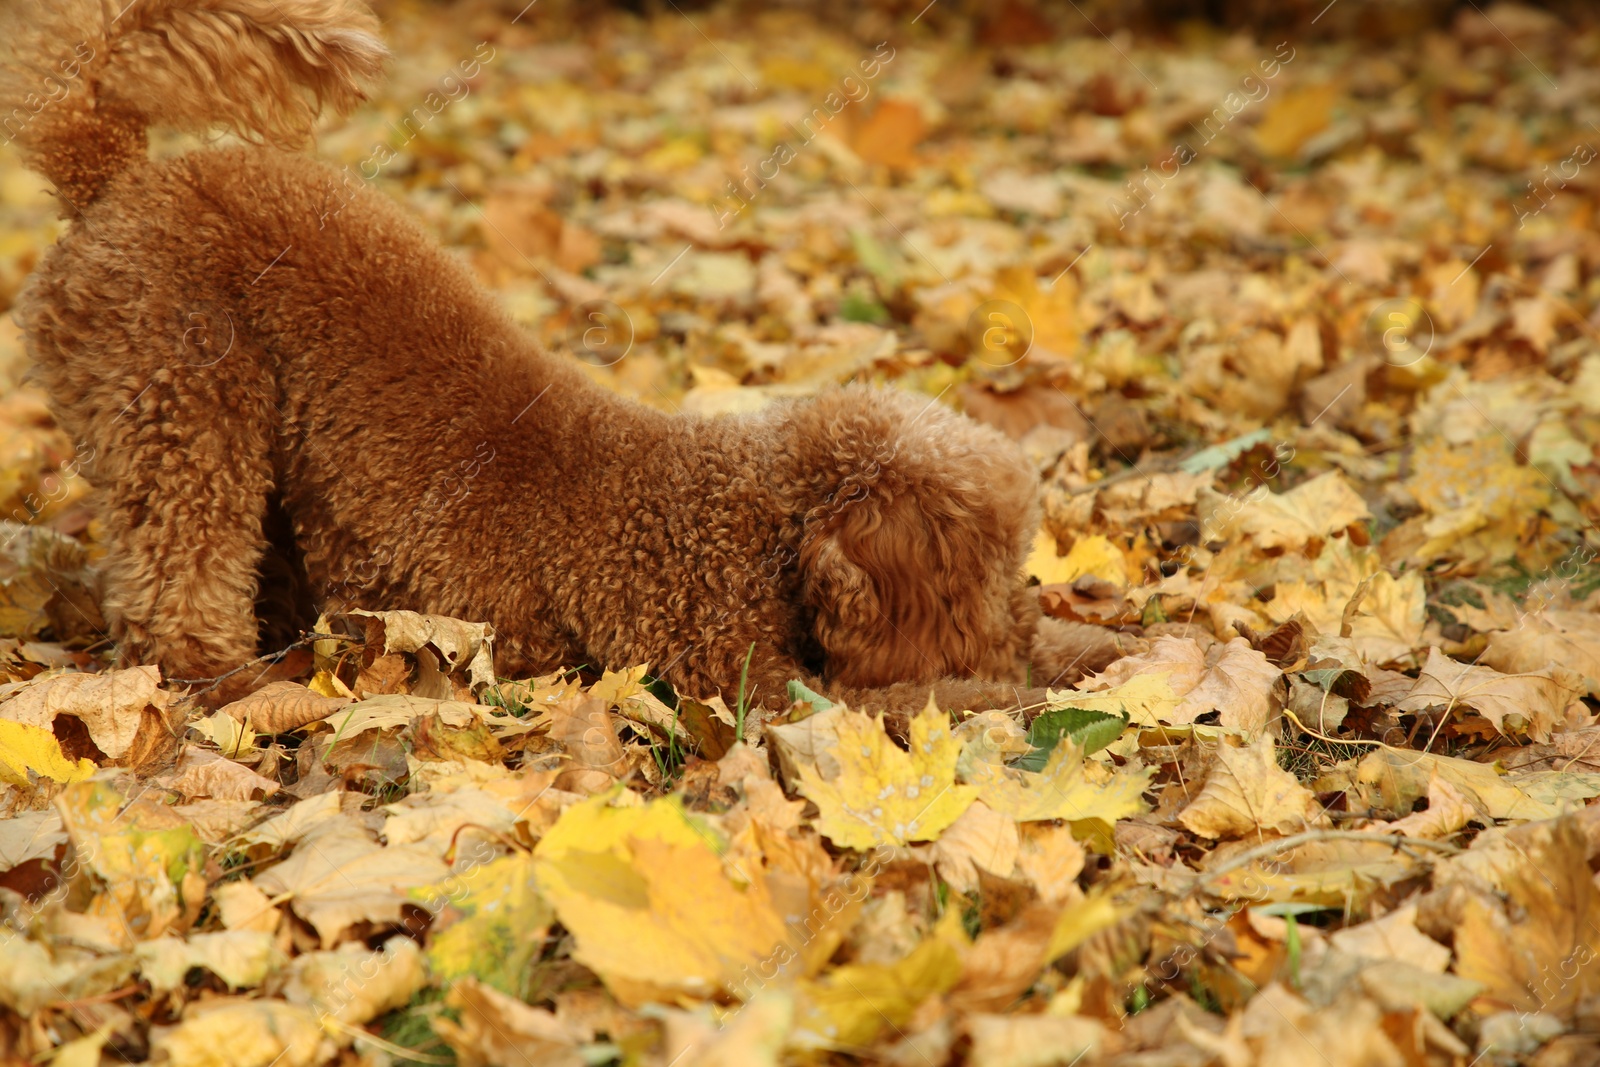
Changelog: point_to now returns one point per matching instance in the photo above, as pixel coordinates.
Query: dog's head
(913, 562)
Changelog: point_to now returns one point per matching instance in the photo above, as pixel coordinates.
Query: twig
(306, 638)
(1399, 841)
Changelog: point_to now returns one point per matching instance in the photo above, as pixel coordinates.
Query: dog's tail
(83, 79)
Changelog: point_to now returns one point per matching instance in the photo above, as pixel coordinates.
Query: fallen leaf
(110, 705)
(1246, 792)
(1069, 787)
(1232, 679)
(1394, 937)
(277, 708)
(240, 1032)
(1313, 511)
(644, 892)
(241, 958)
(495, 926)
(342, 877)
(496, 1030)
(29, 752)
(1523, 703)
(1535, 945)
(981, 837)
(883, 795)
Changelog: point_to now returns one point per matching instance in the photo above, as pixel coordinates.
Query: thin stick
(1399, 841)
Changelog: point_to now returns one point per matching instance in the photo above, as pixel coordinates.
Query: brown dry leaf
(1570, 639)
(1051, 859)
(341, 877)
(1535, 945)
(444, 645)
(1282, 1028)
(203, 773)
(110, 705)
(586, 731)
(981, 837)
(279, 707)
(1449, 810)
(1394, 937)
(1295, 117)
(1246, 792)
(1232, 679)
(1313, 511)
(1528, 703)
(242, 1032)
(891, 134)
(1003, 962)
(29, 835)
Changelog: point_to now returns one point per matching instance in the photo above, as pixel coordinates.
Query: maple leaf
(1524, 703)
(1315, 510)
(501, 925)
(645, 893)
(31, 750)
(1232, 678)
(1544, 638)
(1534, 945)
(1069, 787)
(1247, 792)
(883, 795)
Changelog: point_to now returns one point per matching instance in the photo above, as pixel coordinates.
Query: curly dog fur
(273, 367)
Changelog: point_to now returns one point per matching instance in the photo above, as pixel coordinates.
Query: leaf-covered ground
(1301, 330)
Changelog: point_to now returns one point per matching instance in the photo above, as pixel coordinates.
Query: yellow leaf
(1231, 678)
(139, 851)
(1535, 944)
(1095, 556)
(1067, 788)
(1050, 327)
(883, 795)
(644, 891)
(851, 1004)
(26, 750)
(1399, 777)
(1080, 922)
(502, 925)
(1295, 117)
(1147, 699)
(616, 686)
(244, 1033)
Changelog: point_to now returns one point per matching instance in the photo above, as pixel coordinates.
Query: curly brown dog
(273, 368)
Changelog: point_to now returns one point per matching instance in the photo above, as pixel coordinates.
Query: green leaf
(1089, 730)
(799, 692)
(1209, 459)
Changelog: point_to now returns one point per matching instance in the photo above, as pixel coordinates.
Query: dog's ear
(862, 584)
